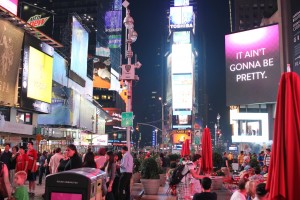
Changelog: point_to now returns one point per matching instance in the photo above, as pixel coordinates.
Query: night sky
(213, 22)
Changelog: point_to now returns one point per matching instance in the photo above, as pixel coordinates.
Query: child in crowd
(21, 192)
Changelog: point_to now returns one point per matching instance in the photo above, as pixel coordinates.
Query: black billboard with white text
(252, 66)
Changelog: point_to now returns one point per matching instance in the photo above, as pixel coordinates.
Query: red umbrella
(186, 148)
(284, 174)
(207, 163)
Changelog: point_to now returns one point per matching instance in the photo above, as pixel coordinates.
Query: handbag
(3, 190)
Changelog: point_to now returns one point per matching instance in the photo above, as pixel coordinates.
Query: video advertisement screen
(250, 127)
(79, 50)
(181, 17)
(39, 75)
(252, 66)
(113, 21)
(36, 82)
(182, 92)
(10, 5)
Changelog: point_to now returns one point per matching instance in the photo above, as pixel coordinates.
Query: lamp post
(218, 123)
(216, 134)
(156, 130)
(128, 70)
(162, 118)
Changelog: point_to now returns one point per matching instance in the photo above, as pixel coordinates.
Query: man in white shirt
(55, 160)
(240, 194)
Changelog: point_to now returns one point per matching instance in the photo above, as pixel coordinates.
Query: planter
(162, 178)
(151, 186)
(136, 177)
(217, 182)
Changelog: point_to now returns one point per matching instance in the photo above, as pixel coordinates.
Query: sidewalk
(222, 194)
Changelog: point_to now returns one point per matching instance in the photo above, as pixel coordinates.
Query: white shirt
(54, 162)
(237, 195)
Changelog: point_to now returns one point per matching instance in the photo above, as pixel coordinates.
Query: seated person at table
(257, 176)
(206, 194)
(240, 194)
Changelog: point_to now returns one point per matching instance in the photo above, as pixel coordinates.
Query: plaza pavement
(222, 194)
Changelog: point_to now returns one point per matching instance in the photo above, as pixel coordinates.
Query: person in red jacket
(21, 160)
(32, 167)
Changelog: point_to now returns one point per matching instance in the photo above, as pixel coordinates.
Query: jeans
(41, 174)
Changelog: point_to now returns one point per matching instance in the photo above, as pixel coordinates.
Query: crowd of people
(21, 164)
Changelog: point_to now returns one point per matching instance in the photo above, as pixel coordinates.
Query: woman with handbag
(4, 182)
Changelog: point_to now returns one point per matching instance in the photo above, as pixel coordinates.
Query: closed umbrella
(207, 163)
(186, 148)
(284, 174)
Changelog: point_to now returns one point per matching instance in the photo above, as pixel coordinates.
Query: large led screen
(181, 37)
(59, 69)
(182, 58)
(113, 21)
(37, 17)
(181, 17)
(39, 75)
(295, 6)
(181, 2)
(252, 66)
(10, 5)
(33, 60)
(11, 40)
(182, 92)
(60, 107)
(114, 41)
(79, 50)
(102, 72)
(250, 127)
(181, 121)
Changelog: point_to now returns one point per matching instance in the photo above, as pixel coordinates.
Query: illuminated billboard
(32, 61)
(60, 107)
(39, 81)
(79, 50)
(114, 41)
(10, 5)
(181, 17)
(102, 72)
(250, 127)
(181, 121)
(182, 58)
(113, 21)
(180, 136)
(181, 2)
(182, 92)
(295, 7)
(60, 67)
(11, 40)
(37, 17)
(181, 37)
(252, 66)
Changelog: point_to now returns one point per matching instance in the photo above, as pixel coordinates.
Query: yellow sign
(39, 76)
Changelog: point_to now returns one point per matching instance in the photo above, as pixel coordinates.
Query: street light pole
(216, 134)
(162, 119)
(218, 125)
(128, 70)
(156, 139)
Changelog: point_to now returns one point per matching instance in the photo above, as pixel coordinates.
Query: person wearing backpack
(190, 184)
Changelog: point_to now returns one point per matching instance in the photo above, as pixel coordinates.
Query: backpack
(177, 175)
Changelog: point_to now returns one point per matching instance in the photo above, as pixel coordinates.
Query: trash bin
(76, 184)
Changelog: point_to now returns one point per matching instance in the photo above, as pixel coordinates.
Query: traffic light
(137, 127)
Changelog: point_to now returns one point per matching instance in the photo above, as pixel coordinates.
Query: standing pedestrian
(54, 161)
(6, 157)
(75, 160)
(13, 163)
(32, 167)
(42, 161)
(22, 160)
(126, 168)
(110, 170)
(5, 176)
